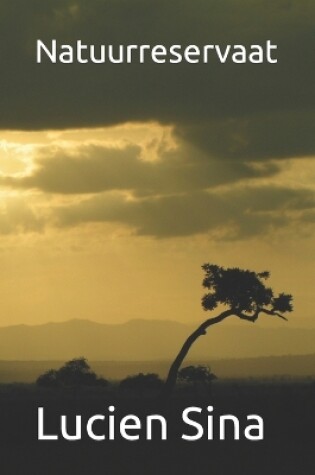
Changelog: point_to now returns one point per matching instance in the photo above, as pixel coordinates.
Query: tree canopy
(73, 373)
(243, 291)
(196, 374)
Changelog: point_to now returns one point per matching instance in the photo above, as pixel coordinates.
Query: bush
(48, 379)
(74, 373)
(196, 375)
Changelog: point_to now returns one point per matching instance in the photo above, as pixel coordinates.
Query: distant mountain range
(148, 340)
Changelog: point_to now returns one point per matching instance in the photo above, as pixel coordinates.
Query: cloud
(182, 192)
(95, 168)
(237, 214)
(265, 136)
(232, 123)
(246, 111)
(17, 217)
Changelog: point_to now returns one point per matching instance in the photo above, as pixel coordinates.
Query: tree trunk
(201, 330)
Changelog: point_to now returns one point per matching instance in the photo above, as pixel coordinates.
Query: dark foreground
(288, 411)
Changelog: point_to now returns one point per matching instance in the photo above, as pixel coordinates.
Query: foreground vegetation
(286, 407)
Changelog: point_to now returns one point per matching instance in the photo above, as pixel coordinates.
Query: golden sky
(117, 182)
(119, 252)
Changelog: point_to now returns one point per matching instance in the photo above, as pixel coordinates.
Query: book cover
(157, 236)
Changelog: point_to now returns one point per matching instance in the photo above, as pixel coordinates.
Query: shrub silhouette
(141, 382)
(48, 379)
(74, 373)
(196, 375)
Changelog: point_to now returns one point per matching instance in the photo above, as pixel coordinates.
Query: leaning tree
(243, 293)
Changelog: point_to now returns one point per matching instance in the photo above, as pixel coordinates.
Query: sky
(117, 182)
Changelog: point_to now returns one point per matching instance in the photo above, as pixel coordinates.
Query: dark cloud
(179, 194)
(234, 214)
(275, 135)
(231, 121)
(260, 101)
(93, 169)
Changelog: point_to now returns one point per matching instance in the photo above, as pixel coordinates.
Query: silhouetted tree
(198, 377)
(245, 295)
(48, 379)
(74, 373)
(196, 374)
